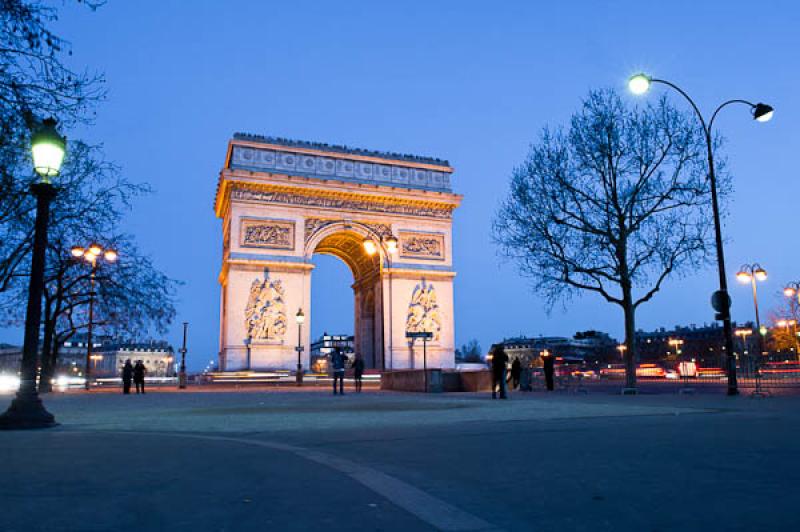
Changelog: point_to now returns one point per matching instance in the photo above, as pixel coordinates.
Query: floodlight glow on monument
(369, 246)
(639, 84)
(47, 149)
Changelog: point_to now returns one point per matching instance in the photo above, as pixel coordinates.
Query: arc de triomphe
(387, 216)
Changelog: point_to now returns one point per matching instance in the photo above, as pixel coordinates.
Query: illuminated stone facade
(283, 201)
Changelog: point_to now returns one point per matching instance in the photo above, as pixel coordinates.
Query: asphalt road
(309, 461)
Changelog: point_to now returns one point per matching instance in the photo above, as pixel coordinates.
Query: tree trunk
(631, 357)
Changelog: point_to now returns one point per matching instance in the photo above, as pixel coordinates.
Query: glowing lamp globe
(300, 317)
(110, 255)
(639, 84)
(743, 277)
(369, 246)
(763, 112)
(391, 244)
(761, 274)
(789, 291)
(77, 252)
(47, 149)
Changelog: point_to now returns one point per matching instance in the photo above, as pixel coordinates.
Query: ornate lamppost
(92, 256)
(721, 301)
(26, 410)
(750, 273)
(299, 318)
(792, 291)
(182, 372)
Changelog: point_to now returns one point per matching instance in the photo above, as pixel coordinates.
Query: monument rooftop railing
(321, 161)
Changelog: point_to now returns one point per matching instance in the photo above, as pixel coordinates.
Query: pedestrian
(549, 368)
(127, 376)
(358, 371)
(139, 372)
(516, 370)
(337, 362)
(499, 361)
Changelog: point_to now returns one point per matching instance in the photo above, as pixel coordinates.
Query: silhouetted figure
(358, 371)
(337, 362)
(549, 368)
(516, 370)
(139, 372)
(127, 376)
(499, 362)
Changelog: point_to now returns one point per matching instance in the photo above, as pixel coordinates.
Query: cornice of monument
(294, 190)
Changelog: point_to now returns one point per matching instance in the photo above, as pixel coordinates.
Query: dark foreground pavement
(308, 461)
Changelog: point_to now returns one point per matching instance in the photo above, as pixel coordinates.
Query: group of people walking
(133, 373)
(338, 360)
(500, 369)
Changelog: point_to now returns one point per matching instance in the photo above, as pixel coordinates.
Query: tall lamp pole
(639, 84)
(389, 246)
(92, 255)
(26, 410)
(750, 273)
(299, 318)
(182, 372)
(792, 291)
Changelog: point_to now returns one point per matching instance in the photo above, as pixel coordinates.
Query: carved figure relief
(265, 314)
(274, 234)
(422, 245)
(423, 311)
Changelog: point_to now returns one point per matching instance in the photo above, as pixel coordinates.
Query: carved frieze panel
(272, 234)
(265, 314)
(423, 311)
(428, 246)
(341, 203)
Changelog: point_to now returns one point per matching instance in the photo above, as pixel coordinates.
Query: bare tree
(34, 84)
(614, 205)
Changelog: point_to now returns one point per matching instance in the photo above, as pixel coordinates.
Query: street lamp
(750, 273)
(792, 291)
(92, 254)
(721, 301)
(299, 318)
(389, 244)
(182, 372)
(26, 410)
(792, 332)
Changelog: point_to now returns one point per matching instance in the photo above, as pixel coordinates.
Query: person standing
(127, 377)
(337, 362)
(516, 370)
(139, 372)
(549, 363)
(499, 362)
(358, 371)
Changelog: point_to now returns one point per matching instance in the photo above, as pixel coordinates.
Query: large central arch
(283, 201)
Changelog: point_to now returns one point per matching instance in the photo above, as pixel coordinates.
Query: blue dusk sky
(471, 82)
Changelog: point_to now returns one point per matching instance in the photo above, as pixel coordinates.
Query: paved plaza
(305, 460)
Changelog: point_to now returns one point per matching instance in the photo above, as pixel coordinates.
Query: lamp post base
(299, 375)
(26, 412)
(182, 380)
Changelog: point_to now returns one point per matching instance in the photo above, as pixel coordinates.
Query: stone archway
(283, 201)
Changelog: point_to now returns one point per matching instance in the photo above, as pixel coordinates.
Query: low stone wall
(413, 380)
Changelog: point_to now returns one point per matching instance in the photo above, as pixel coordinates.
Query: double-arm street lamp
(389, 245)
(721, 301)
(26, 410)
(750, 273)
(92, 255)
